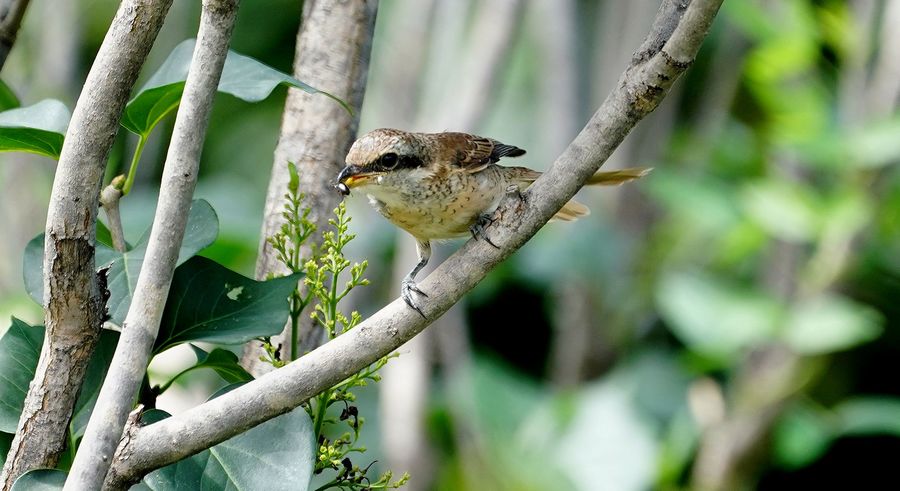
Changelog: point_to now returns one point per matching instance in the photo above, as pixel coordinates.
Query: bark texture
(678, 32)
(73, 293)
(129, 364)
(333, 47)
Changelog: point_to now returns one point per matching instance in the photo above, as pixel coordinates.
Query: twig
(672, 46)
(11, 14)
(109, 200)
(333, 47)
(73, 297)
(178, 181)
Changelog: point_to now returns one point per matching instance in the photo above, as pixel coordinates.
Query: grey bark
(129, 364)
(333, 46)
(678, 32)
(73, 296)
(11, 14)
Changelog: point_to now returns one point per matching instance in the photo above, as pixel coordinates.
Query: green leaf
(801, 436)
(869, 416)
(242, 77)
(20, 348)
(5, 442)
(202, 229)
(39, 128)
(276, 455)
(8, 98)
(785, 210)
(40, 480)
(715, 318)
(93, 381)
(222, 361)
(830, 323)
(208, 302)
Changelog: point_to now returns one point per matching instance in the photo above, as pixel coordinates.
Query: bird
(438, 186)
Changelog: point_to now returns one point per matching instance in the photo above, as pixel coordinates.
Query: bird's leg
(408, 286)
(481, 223)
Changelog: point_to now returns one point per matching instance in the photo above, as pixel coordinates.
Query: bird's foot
(480, 226)
(407, 288)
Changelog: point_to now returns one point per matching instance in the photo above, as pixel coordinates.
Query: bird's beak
(350, 177)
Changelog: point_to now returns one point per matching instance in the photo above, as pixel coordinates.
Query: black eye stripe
(392, 161)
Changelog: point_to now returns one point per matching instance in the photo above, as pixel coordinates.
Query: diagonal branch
(11, 14)
(141, 325)
(677, 34)
(73, 294)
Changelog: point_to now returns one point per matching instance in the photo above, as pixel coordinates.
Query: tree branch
(178, 181)
(333, 47)
(73, 295)
(640, 90)
(11, 14)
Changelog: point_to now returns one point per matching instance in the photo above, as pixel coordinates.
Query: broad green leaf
(223, 362)
(40, 480)
(869, 416)
(830, 323)
(19, 351)
(8, 98)
(242, 77)
(276, 455)
(93, 380)
(801, 436)
(39, 128)
(208, 302)
(788, 211)
(715, 318)
(5, 442)
(201, 231)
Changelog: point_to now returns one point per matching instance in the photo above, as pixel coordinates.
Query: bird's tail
(616, 177)
(573, 209)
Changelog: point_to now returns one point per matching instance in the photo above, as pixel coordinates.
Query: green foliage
(276, 455)
(40, 480)
(8, 98)
(208, 302)
(38, 128)
(223, 362)
(325, 271)
(19, 351)
(125, 267)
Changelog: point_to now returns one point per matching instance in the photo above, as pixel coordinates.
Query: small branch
(11, 14)
(109, 200)
(333, 47)
(73, 293)
(179, 179)
(640, 90)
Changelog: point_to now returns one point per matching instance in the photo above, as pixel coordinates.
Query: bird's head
(379, 153)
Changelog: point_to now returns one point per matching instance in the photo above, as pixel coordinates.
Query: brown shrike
(443, 186)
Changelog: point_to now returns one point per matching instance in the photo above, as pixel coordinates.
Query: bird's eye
(389, 161)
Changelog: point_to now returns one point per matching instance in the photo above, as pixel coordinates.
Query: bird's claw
(406, 290)
(481, 224)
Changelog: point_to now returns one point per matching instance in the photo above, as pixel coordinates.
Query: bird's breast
(436, 208)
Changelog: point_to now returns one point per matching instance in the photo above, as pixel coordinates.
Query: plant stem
(138, 150)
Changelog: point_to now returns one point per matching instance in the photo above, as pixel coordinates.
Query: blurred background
(730, 321)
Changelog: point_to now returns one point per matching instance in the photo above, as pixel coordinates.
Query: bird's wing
(473, 153)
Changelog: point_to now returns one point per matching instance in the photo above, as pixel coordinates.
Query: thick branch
(640, 90)
(11, 14)
(73, 300)
(179, 179)
(333, 47)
